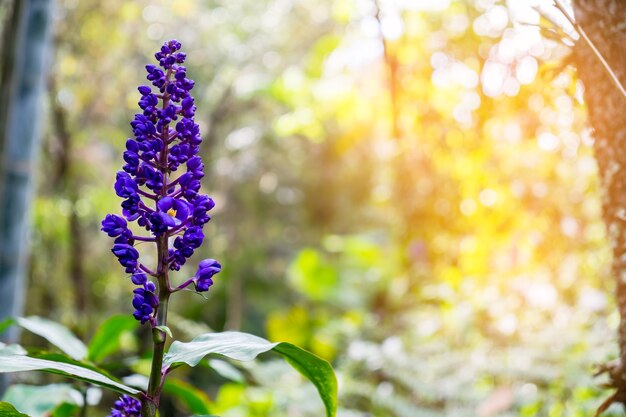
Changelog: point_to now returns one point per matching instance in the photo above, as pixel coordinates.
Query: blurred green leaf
(65, 410)
(12, 349)
(319, 52)
(55, 333)
(39, 401)
(21, 363)
(245, 347)
(107, 339)
(7, 410)
(194, 399)
(312, 275)
(6, 323)
(226, 370)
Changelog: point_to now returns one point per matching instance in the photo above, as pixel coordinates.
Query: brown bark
(604, 21)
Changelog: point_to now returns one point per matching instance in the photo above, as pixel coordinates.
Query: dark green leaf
(107, 338)
(245, 347)
(21, 363)
(315, 369)
(55, 333)
(194, 399)
(7, 410)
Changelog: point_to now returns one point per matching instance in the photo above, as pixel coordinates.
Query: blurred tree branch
(66, 183)
(391, 65)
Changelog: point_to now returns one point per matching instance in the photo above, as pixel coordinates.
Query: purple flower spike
(126, 406)
(166, 139)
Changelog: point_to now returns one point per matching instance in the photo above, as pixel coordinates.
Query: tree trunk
(604, 21)
(24, 49)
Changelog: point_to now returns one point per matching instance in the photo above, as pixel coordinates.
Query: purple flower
(125, 186)
(114, 226)
(144, 90)
(206, 270)
(176, 209)
(185, 246)
(188, 107)
(145, 301)
(170, 213)
(189, 185)
(126, 406)
(165, 139)
(179, 153)
(201, 209)
(195, 167)
(130, 208)
(193, 237)
(143, 127)
(127, 255)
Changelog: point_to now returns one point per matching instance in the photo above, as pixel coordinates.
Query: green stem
(83, 409)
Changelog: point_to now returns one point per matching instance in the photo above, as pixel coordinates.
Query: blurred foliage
(404, 188)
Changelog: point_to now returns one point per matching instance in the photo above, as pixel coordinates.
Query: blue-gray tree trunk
(26, 43)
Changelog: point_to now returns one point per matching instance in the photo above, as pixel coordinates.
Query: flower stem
(150, 403)
(183, 285)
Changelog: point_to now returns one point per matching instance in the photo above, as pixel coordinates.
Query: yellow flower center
(171, 212)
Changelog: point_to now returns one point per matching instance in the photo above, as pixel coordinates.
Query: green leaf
(165, 330)
(194, 399)
(7, 410)
(21, 363)
(12, 349)
(38, 401)
(226, 370)
(6, 323)
(315, 369)
(245, 347)
(61, 358)
(313, 275)
(56, 334)
(66, 410)
(107, 339)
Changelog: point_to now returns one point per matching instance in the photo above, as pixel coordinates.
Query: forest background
(405, 188)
